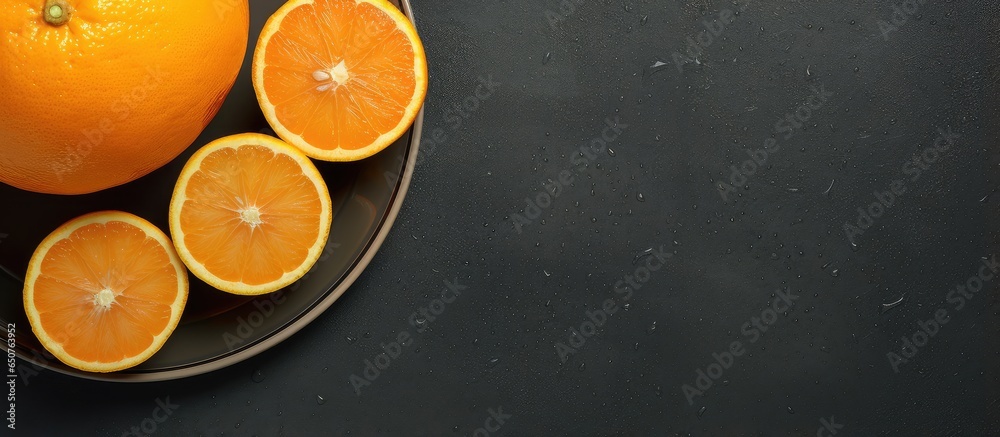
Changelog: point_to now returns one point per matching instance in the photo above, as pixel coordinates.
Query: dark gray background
(494, 346)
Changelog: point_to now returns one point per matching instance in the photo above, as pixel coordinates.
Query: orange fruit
(104, 291)
(340, 79)
(94, 94)
(250, 214)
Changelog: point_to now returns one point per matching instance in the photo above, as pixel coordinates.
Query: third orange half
(340, 79)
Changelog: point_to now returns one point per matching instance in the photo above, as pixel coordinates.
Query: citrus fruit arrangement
(94, 95)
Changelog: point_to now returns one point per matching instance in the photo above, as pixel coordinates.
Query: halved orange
(104, 291)
(250, 214)
(340, 79)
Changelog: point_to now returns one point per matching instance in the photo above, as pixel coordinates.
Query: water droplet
(320, 400)
(835, 273)
(643, 20)
(237, 426)
(640, 197)
(351, 340)
(701, 411)
(420, 321)
(987, 196)
(626, 306)
(492, 363)
(547, 274)
(657, 67)
(547, 58)
(582, 366)
(368, 335)
(258, 376)
(611, 152)
(791, 411)
(827, 192)
(891, 305)
(824, 266)
(641, 255)
(659, 391)
(651, 328)
(548, 302)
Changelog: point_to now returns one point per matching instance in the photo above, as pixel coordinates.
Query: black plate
(219, 329)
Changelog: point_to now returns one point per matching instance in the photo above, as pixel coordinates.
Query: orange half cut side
(340, 79)
(250, 214)
(104, 291)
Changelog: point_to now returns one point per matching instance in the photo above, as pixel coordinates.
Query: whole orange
(97, 93)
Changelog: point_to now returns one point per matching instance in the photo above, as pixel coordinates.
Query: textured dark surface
(494, 345)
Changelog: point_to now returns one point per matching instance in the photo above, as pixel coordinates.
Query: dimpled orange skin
(117, 91)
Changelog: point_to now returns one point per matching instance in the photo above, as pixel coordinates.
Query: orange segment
(250, 214)
(340, 79)
(104, 291)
